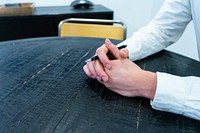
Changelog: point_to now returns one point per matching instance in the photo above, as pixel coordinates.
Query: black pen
(96, 57)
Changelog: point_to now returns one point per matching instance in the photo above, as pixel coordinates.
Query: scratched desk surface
(44, 89)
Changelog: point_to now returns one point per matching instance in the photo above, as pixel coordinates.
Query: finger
(87, 71)
(99, 79)
(102, 75)
(112, 48)
(124, 53)
(91, 69)
(102, 54)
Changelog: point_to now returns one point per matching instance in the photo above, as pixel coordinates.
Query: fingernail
(108, 41)
(108, 66)
(104, 79)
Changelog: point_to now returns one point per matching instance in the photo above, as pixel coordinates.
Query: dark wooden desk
(44, 89)
(44, 21)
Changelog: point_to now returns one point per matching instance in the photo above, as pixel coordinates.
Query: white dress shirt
(175, 94)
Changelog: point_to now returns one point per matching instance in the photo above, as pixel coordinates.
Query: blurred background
(135, 14)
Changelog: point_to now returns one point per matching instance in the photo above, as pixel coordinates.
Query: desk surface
(44, 89)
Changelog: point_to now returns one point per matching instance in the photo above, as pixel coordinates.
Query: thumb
(124, 53)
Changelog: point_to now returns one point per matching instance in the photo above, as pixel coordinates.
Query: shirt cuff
(170, 93)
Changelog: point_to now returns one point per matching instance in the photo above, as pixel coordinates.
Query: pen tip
(87, 60)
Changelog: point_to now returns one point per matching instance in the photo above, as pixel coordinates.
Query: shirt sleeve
(165, 29)
(175, 94)
(180, 95)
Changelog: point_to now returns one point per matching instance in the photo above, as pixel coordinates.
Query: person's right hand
(128, 79)
(96, 69)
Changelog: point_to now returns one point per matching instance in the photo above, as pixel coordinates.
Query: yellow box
(16, 9)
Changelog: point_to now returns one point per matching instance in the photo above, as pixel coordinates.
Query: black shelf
(44, 21)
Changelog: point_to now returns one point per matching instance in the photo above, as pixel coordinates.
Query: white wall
(135, 13)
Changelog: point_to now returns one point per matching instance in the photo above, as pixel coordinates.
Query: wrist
(149, 84)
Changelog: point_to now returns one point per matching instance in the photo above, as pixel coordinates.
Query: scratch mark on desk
(138, 116)
(88, 51)
(38, 72)
(33, 76)
(62, 54)
(86, 54)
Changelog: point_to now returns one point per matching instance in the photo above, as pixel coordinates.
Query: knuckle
(98, 50)
(100, 73)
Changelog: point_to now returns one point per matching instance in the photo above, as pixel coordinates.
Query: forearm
(165, 29)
